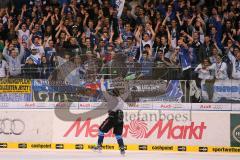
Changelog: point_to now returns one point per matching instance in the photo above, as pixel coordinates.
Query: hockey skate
(97, 148)
(122, 151)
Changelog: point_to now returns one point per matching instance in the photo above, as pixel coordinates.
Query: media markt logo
(235, 130)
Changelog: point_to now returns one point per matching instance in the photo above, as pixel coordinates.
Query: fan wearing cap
(75, 31)
(30, 69)
(35, 56)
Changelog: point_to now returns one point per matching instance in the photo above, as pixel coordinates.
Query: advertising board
(26, 125)
(152, 127)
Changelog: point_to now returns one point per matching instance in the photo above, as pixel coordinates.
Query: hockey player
(114, 119)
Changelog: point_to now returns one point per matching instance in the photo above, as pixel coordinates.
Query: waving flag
(174, 89)
(119, 5)
(184, 59)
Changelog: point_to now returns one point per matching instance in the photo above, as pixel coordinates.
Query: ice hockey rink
(109, 155)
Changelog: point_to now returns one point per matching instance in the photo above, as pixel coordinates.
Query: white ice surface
(109, 155)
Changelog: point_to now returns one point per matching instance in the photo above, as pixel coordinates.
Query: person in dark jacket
(30, 70)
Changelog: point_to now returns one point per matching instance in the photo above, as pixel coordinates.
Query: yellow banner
(15, 86)
(134, 147)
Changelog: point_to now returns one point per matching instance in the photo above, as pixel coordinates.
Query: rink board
(149, 130)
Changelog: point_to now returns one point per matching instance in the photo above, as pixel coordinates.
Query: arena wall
(203, 128)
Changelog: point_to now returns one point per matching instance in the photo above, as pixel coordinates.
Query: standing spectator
(50, 51)
(203, 70)
(147, 48)
(207, 47)
(74, 78)
(148, 38)
(101, 48)
(132, 66)
(14, 59)
(160, 58)
(214, 53)
(27, 52)
(165, 45)
(11, 29)
(198, 52)
(45, 68)
(127, 32)
(228, 29)
(3, 67)
(184, 59)
(87, 46)
(91, 27)
(216, 35)
(3, 32)
(35, 56)
(146, 62)
(23, 33)
(130, 48)
(235, 59)
(37, 45)
(71, 44)
(220, 68)
(30, 69)
(174, 31)
(206, 77)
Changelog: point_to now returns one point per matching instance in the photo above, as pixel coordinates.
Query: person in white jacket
(220, 69)
(235, 59)
(203, 70)
(206, 75)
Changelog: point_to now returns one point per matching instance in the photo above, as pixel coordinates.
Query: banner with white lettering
(223, 91)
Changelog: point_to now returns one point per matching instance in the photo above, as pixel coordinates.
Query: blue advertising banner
(46, 91)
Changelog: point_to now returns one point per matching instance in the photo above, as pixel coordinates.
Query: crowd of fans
(202, 38)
